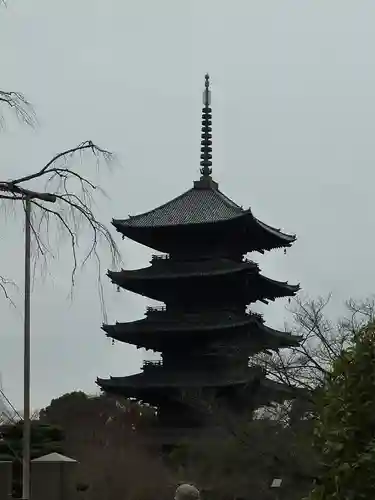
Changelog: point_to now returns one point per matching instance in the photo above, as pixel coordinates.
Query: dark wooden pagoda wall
(190, 243)
(215, 295)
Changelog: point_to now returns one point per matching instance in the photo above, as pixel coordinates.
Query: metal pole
(26, 359)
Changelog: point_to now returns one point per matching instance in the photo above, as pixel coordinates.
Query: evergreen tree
(345, 427)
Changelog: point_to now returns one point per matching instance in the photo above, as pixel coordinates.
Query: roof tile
(195, 206)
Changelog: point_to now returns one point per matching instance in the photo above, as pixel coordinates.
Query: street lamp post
(276, 483)
(26, 448)
(26, 358)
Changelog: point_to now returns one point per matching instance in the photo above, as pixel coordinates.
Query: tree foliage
(345, 429)
(45, 439)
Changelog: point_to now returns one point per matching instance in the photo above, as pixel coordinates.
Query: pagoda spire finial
(206, 142)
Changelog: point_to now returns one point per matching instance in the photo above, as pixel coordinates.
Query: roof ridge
(227, 200)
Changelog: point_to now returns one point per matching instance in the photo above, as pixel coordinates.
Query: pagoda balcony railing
(152, 365)
(230, 368)
(155, 309)
(173, 314)
(163, 257)
(159, 257)
(246, 260)
(256, 315)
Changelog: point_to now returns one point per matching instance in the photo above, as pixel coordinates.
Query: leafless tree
(74, 194)
(72, 212)
(322, 341)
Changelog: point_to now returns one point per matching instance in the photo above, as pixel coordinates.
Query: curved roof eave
(124, 225)
(144, 328)
(137, 274)
(126, 276)
(284, 284)
(273, 385)
(292, 340)
(290, 238)
(128, 383)
(179, 327)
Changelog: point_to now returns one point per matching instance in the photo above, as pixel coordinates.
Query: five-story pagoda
(204, 332)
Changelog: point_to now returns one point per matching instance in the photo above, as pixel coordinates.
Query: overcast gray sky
(293, 95)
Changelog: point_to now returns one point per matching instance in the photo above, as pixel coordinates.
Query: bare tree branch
(19, 105)
(322, 341)
(4, 284)
(72, 211)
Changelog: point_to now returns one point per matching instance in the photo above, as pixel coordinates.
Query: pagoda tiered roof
(163, 331)
(156, 377)
(198, 210)
(155, 384)
(201, 204)
(161, 282)
(165, 268)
